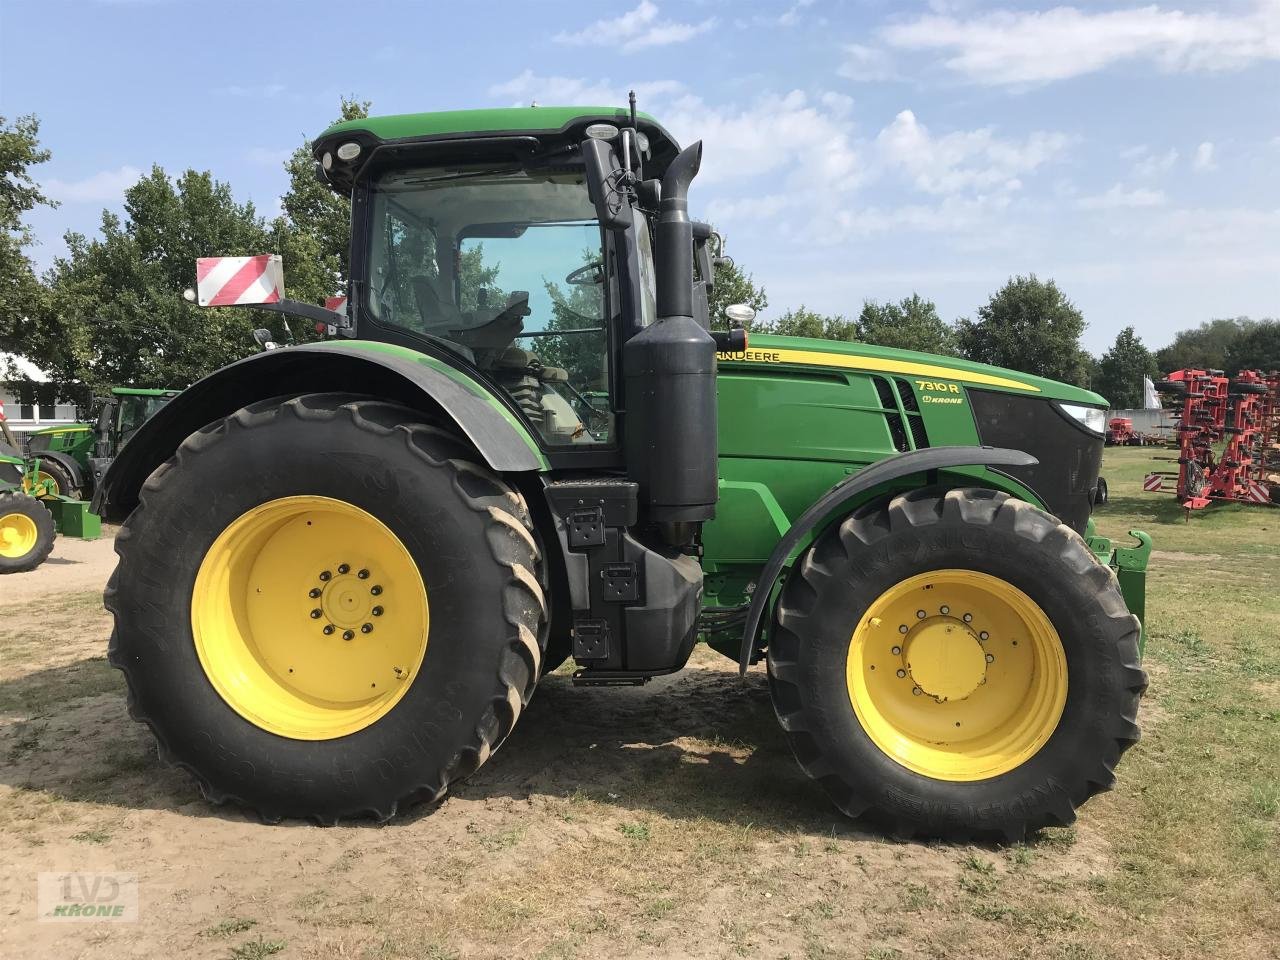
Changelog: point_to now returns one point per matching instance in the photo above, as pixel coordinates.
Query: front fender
(418, 380)
(848, 491)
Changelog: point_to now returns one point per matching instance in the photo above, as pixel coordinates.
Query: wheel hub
(347, 602)
(18, 535)
(945, 659)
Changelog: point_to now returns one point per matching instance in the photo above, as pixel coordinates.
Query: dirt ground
(662, 821)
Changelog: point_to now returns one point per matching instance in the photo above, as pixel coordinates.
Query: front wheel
(26, 533)
(956, 665)
(324, 608)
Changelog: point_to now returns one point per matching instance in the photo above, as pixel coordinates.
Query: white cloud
(550, 91)
(1204, 158)
(1030, 47)
(963, 160)
(1119, 198)
(866, 64)
(792, 13)
(103, 187)
(636, 30)
(1147, 164)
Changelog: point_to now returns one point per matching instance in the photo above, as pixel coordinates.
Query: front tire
(955, 665)
(27, 532)
(324, 608)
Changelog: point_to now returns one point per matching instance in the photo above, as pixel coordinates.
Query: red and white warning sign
(225, 281)
(1151, 481)
(1256, 492)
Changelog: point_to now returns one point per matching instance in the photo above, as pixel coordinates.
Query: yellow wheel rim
(957, 675)
(30, 484)
(310, 617)
(18, 535)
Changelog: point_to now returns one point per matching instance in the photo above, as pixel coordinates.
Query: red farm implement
(1228, 432)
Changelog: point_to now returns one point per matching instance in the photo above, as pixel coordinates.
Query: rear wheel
(26, 533)
(353, 630)
(956, 665)
(53, 478)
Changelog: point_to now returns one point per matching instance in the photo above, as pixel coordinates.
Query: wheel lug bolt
(313, 592)
(344, 568)
(328, 629)
(375, 590)
(348, 635)
(325, 575)
(991, 658)
(920, 614)
(944, 610)
(901, 674)
(897, 651)
(916, 691)
(363, 574)
(984, 635)
(316, 614)
(903, 628)
(376, 611)
(968, 617)
(367, 628)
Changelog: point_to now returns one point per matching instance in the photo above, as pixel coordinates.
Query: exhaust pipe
(670, 375)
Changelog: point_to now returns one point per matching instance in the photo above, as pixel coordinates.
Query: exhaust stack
(670, 371)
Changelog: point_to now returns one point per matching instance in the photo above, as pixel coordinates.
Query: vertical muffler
(670, 374)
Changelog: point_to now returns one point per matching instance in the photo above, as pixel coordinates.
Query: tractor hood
(803, 351)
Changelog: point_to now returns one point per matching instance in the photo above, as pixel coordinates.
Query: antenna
(631, 99)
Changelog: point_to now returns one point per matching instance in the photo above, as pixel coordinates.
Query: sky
(854, 149)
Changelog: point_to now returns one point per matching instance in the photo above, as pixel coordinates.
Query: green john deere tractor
(345, 565)
(74, 457)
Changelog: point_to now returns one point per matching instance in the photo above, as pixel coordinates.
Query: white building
(30, 406)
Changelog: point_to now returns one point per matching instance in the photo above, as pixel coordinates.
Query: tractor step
(609, 678)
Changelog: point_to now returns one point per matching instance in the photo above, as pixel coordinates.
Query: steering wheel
(588, 273)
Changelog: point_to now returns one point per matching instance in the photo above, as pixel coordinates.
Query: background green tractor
(346, 565)
(74, 457)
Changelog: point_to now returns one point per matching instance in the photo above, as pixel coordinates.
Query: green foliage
(22, 300)
(1027, 325)
(116, 310)
(733, 286)
(803, 322)
(316, 224)
(911, 324)
(1204, 347)
(1255, 349)
(1121, 369)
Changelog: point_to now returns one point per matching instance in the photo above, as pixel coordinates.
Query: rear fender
(67, 462)
(418, 380)
(843, 497)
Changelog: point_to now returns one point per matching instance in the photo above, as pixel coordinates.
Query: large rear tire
(325, 608)
(27, 533)
(956, 665)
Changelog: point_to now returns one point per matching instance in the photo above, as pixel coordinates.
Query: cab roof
(550, 124)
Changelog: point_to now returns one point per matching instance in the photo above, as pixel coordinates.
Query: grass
(256, 949)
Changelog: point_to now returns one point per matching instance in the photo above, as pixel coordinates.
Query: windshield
(505, 267)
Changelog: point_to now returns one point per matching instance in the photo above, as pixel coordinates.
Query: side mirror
(262, 337)
(604, 177)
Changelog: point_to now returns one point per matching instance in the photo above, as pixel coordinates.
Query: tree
(803, 322)
(314, 230)
(1121, 370)
(1258, 349)
(1204, 347)
(1028, 325)
(733, 286)
(116, 303)
(911, 324)
(22, 297)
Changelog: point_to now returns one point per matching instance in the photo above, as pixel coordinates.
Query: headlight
(1093, 419)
